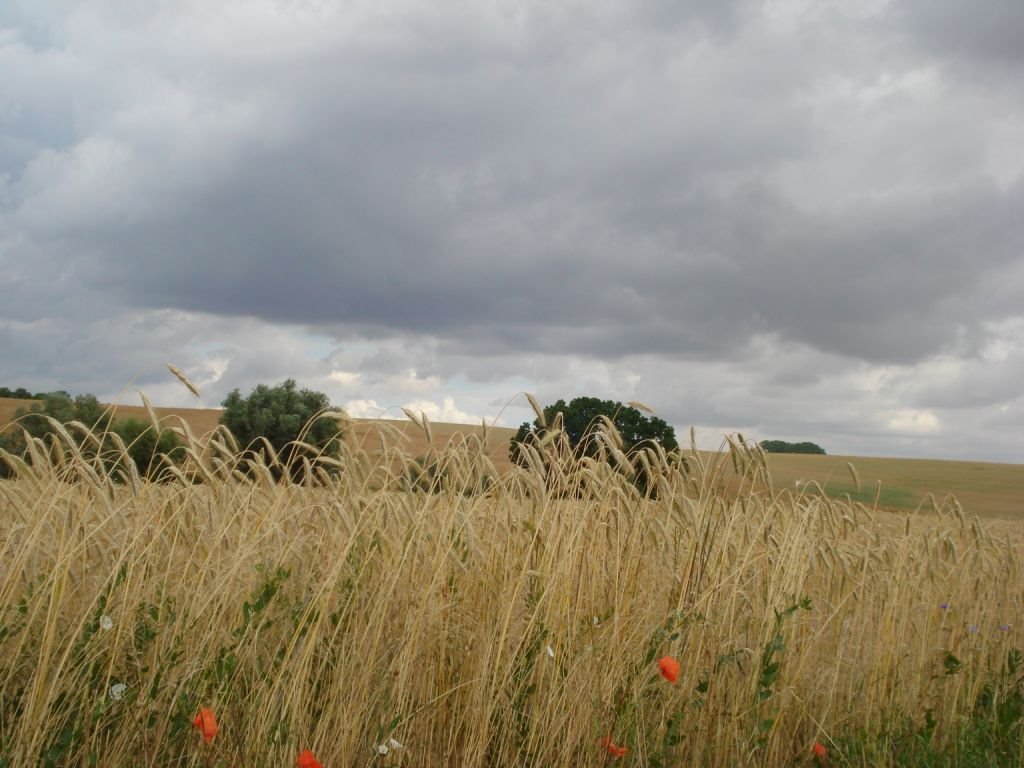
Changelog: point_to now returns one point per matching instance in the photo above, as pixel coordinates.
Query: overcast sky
(796, 219)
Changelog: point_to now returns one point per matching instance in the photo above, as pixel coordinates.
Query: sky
(793, 219)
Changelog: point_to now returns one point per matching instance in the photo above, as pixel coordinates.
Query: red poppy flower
(612, 748)
(669, 668)
(206, 722)
(819, 750)
(307, 760)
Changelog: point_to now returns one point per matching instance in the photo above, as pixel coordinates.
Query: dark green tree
(20, 393)
(781, 446)
(282, 414)
(580, 419)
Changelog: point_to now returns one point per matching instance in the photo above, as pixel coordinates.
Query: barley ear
(640, 406)
(149, 410)
(854, 475)
(537, 410)
(183, 378)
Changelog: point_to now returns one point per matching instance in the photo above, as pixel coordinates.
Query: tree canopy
(580, 419)
(282, 414)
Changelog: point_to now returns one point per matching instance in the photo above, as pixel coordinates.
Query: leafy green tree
(781, 446)
(580, 417)
(282, 415)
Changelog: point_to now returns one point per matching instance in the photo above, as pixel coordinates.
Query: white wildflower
(106, 623)
(117, 691)
(383, 749)
(551, 652)
(395, 743)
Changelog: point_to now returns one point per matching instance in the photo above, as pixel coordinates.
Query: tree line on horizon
(781, 446)
(286, 428)
(23, 394)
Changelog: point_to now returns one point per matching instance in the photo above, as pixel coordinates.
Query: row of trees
(95, 432)
(276, 422)
(781, 446)
(283, 424)
(23, 394)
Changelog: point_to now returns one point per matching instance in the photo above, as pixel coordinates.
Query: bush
(148, 450)
(62, 408)
(436, 475)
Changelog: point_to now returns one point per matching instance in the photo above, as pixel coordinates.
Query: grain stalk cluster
(466, 617)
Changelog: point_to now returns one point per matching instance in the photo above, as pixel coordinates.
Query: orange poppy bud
(612, 748)
(669, 668)
(206, 722)
(307, 760)
(819, 750)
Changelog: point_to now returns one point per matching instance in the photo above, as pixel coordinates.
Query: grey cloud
(491, 195)
(980, 33)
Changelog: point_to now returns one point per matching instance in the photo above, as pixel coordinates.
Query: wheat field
(477, 617)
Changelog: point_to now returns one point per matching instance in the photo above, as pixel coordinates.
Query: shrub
(148, 450)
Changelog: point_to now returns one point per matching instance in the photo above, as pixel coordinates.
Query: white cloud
(346, 379)
(445, 411)
(913, 422)
(365, 409)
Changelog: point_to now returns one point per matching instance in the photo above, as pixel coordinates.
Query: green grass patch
(890, 497)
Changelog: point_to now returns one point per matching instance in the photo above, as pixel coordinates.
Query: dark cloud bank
(783, 217)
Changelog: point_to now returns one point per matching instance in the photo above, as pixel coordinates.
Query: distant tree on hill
(282, 415)
(18, 394)
(781, 446)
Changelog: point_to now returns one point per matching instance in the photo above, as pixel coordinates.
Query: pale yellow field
(519, 626)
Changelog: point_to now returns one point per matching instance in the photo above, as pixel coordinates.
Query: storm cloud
(796, 219)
